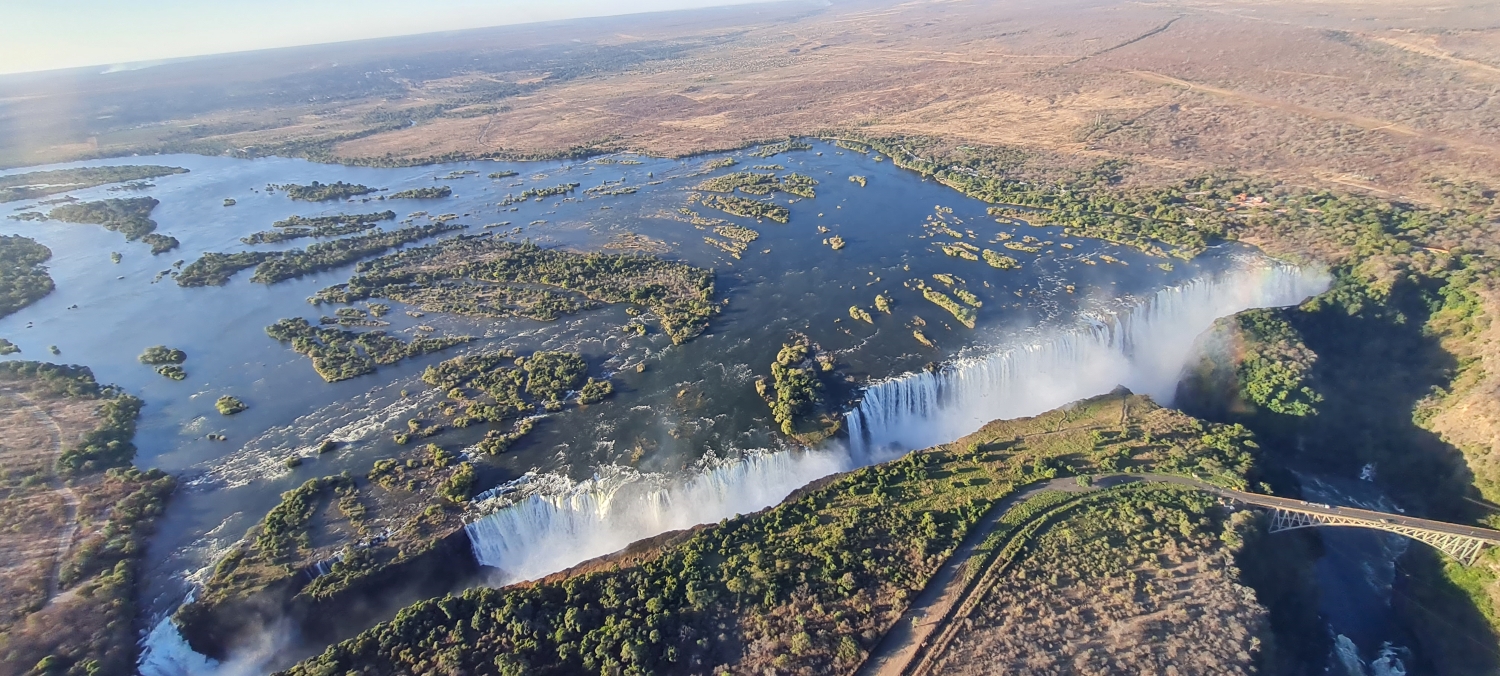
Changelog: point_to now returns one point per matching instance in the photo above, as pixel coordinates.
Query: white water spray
(543, 531)
(1143, 349)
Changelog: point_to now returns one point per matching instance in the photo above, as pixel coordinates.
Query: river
(687, 440)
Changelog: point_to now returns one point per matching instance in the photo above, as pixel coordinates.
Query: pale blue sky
(48, 34)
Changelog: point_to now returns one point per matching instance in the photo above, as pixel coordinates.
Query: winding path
(66, 492)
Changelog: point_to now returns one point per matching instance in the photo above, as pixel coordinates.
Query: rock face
(218, 629)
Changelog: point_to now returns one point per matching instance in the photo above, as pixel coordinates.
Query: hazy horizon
(62, 34)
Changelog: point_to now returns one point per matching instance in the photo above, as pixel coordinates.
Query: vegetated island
(338, 354)
(773, 149)
(78, 517)
(736, 240)
(230, 405)
(23, 277)
(319, 192)
(130, 217)
(416, 500)
(491, 277)
(748, 208)
(499, 386)
(813, 584)
(539, 194)
(215, 269)
(298, 227)
(755, 183)
(35, 184)
(964, 315)
(422, 193)
(168, 361)
(795, 391)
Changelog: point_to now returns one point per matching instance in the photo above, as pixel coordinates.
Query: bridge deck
(1305, 507)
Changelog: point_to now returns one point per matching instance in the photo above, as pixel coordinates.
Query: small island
(35, 184)
(168, 361)
(539, 193)
(999, 260)
(130, 217)
(964, 315)
(23, 278)
(324, 255)
(754, 183)
(320, 192)
(795, 391)
(773, 149)
(422, 193)
(338, 354)
(298, 227)
(498, 387)
(161, 354)
(490, 277)
(215, 269)
(748, 208)
(228, 405)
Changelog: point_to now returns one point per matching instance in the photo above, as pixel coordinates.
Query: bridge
(1463, 543)
(917, 641)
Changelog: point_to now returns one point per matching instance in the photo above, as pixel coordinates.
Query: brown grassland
(1375, 96)
(71, 536)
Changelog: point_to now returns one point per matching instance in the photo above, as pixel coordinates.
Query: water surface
(1102, 314)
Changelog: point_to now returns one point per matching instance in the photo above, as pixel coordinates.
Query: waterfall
(544, 531)
(546, 526)
(164, 652)
(1143, 348)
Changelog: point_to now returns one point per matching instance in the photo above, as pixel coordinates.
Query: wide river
(685, 440)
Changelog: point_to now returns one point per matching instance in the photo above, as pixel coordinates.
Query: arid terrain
(72, 532)
(1378, 97)
(40, 511)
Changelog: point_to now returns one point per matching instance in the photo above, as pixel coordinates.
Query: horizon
(43, 37)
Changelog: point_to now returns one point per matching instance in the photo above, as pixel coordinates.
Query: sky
(48, 34)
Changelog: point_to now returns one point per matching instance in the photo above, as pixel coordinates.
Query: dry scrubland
(75, 518)
(1376, 96)
(1115, 588)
